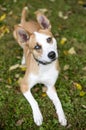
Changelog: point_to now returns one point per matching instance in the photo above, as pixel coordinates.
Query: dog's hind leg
(51, 92)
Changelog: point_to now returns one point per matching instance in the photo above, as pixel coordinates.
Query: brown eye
(37, 47)
(49, 40)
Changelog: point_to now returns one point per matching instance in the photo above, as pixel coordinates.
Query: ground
(68, 19)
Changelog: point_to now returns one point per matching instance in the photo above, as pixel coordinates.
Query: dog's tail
(23, 16)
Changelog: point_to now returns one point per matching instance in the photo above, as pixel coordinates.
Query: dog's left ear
(43, 21)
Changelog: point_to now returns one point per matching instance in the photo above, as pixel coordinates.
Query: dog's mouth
(43, 62)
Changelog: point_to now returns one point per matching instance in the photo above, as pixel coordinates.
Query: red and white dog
(41, 59)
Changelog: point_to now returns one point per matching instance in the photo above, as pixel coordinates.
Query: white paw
(38, 119)
(62, 119)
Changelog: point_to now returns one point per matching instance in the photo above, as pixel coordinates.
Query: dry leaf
(66, 67)
(44, 94)
(9, 80)
(71, 51)
(84, 68)
(19, 80)
(2, 17)
(23, 67)
(84, 106)
(44, 89)
(14, 67)
(82, 93)
(78, 86)
(8, 86)
(52, 0)
(3, 29)
(65, 52)
(19, 122)
(44, 10)
(60, 14)
(63, 40)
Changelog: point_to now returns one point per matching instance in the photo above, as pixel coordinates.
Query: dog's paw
(62, 119)
(38, 119)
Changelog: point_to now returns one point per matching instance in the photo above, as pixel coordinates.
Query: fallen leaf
(63, 40)
(36, 89)
(81, 2)
(65, 52)
(52, 0)
(13, 67)
(84, 68)
(82, 93)
(84, 106)
(8, 86)
(78, 86)
(44, 89)
(9, 80)
(44, 94)
(19, 80)
(23, 67)
(66, 67)
(60, 14)
(71, 51)
(19, 122)
(17, 76)
(44, 10)
(3, 29)
(2, 17)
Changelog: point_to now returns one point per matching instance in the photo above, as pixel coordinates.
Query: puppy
(41, 60)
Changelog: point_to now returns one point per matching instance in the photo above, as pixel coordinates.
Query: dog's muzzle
(51, 55)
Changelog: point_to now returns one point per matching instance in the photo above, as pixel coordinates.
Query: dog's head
(41, 43)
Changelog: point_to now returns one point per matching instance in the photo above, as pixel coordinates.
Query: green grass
(13, 106)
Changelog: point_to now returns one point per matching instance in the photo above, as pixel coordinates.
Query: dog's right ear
(21, 35)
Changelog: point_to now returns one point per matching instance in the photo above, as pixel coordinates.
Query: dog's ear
(43, 21)
(21, 35)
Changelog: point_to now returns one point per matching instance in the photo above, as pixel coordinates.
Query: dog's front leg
(51, 92)
(34, 105)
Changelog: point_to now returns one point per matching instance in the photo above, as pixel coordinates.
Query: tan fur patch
(57, 65)
(46, 32)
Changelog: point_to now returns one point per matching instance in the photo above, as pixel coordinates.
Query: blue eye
(37, 47)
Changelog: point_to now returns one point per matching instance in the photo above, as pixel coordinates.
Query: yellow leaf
(65, 52)
(9, 80)
(80, 2)
(78, 86)
(23, 67)
(82, 93)
(2, 17)
(43, 94)
(63, 40)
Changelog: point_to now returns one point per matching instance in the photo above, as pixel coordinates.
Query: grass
(15, 113)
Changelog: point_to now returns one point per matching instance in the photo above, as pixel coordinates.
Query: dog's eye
(49, 39)
(37, 47)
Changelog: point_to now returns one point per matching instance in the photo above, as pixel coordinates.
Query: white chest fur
(46, 75)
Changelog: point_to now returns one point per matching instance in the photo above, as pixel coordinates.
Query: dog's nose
(52, 55)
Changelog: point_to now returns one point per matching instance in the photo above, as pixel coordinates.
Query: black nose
(52, 55)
